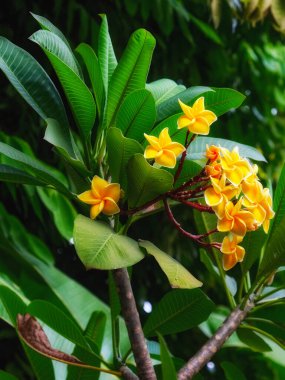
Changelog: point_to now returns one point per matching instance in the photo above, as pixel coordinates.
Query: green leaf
(223, 100)
(34, 166)
(271, 330)
(131, 72)
(232, 372)
(136, 115)
(178, 276)
(106, 56)
(96, 328)
(35, 86)
(273, 313)
(164, 89)
(252, 243)
(10, 174)
(62, 210)
(274, 250)
(189, 170)
(253, 340)
(55, 45)
(99, 247)
(178, 310)
(7, 376)
(92, 64)
(79, 97)
(168, 369)
(120, 150)
(197, 148)
(171, 105)
(145, 182)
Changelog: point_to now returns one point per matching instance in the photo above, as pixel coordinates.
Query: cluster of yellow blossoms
(236, 195)
(239, 200)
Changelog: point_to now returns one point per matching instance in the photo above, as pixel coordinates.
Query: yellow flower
(219, 194)
(251, 187)
(212, 152)
(235, 167)
(233, 253)
(213, 170)
(162, 149)
(102, 197)
(236, 220)
(196, 118)
(261, 208)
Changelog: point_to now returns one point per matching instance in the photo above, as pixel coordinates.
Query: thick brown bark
(201, 358)
(131, 316)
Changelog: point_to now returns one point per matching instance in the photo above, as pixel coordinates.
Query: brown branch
(215, 343)
(127, 373)
(129, 310)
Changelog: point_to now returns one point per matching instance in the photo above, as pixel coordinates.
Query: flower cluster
(238, 199)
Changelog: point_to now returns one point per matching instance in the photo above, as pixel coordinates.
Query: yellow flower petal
(98, 185)
(209, 116)
(150, 152)
(175, 147)
(110, 207)
(265, 225)
(240, 252)
(201, 126)
(199, 105)
(235, 176)
(183, 122)
(239, 227)
(229, 261)
(167, 159)
(153, 141)
(212, 198)
(88, 197)
(224, 225)
(220, 208)
(164, 138)
(113, 191)
(227, 246)
(96, 209)
(186, 109)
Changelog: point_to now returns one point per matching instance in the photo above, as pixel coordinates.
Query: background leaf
(168, 369)
(178, 310)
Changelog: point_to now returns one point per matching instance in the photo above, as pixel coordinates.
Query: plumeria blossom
(162, 149)
(236, 220)
(233, 253)
(212, 152)
(196, 118)
(103, 197)
(251, 187)
(235, 167)
(219, 194)
(214, 170)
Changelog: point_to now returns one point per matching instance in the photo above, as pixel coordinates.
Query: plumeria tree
(138, 149)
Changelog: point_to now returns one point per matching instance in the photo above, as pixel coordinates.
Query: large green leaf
(163, 89)
(35, 86)
(253, 340)
(7, 376)
(10, 174)
(62, 210)
(197, 149)
(252, 243)
(131, 72)
(145, 182)
(168, 369)
(171, 106)
(92, 64)
(120, 150)
(137, 114)
(33, 166)
(98, 246)
(178, 276)
(274, 253)
(106, 56)
(78, 95)
(178, 310)
(232, 372)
